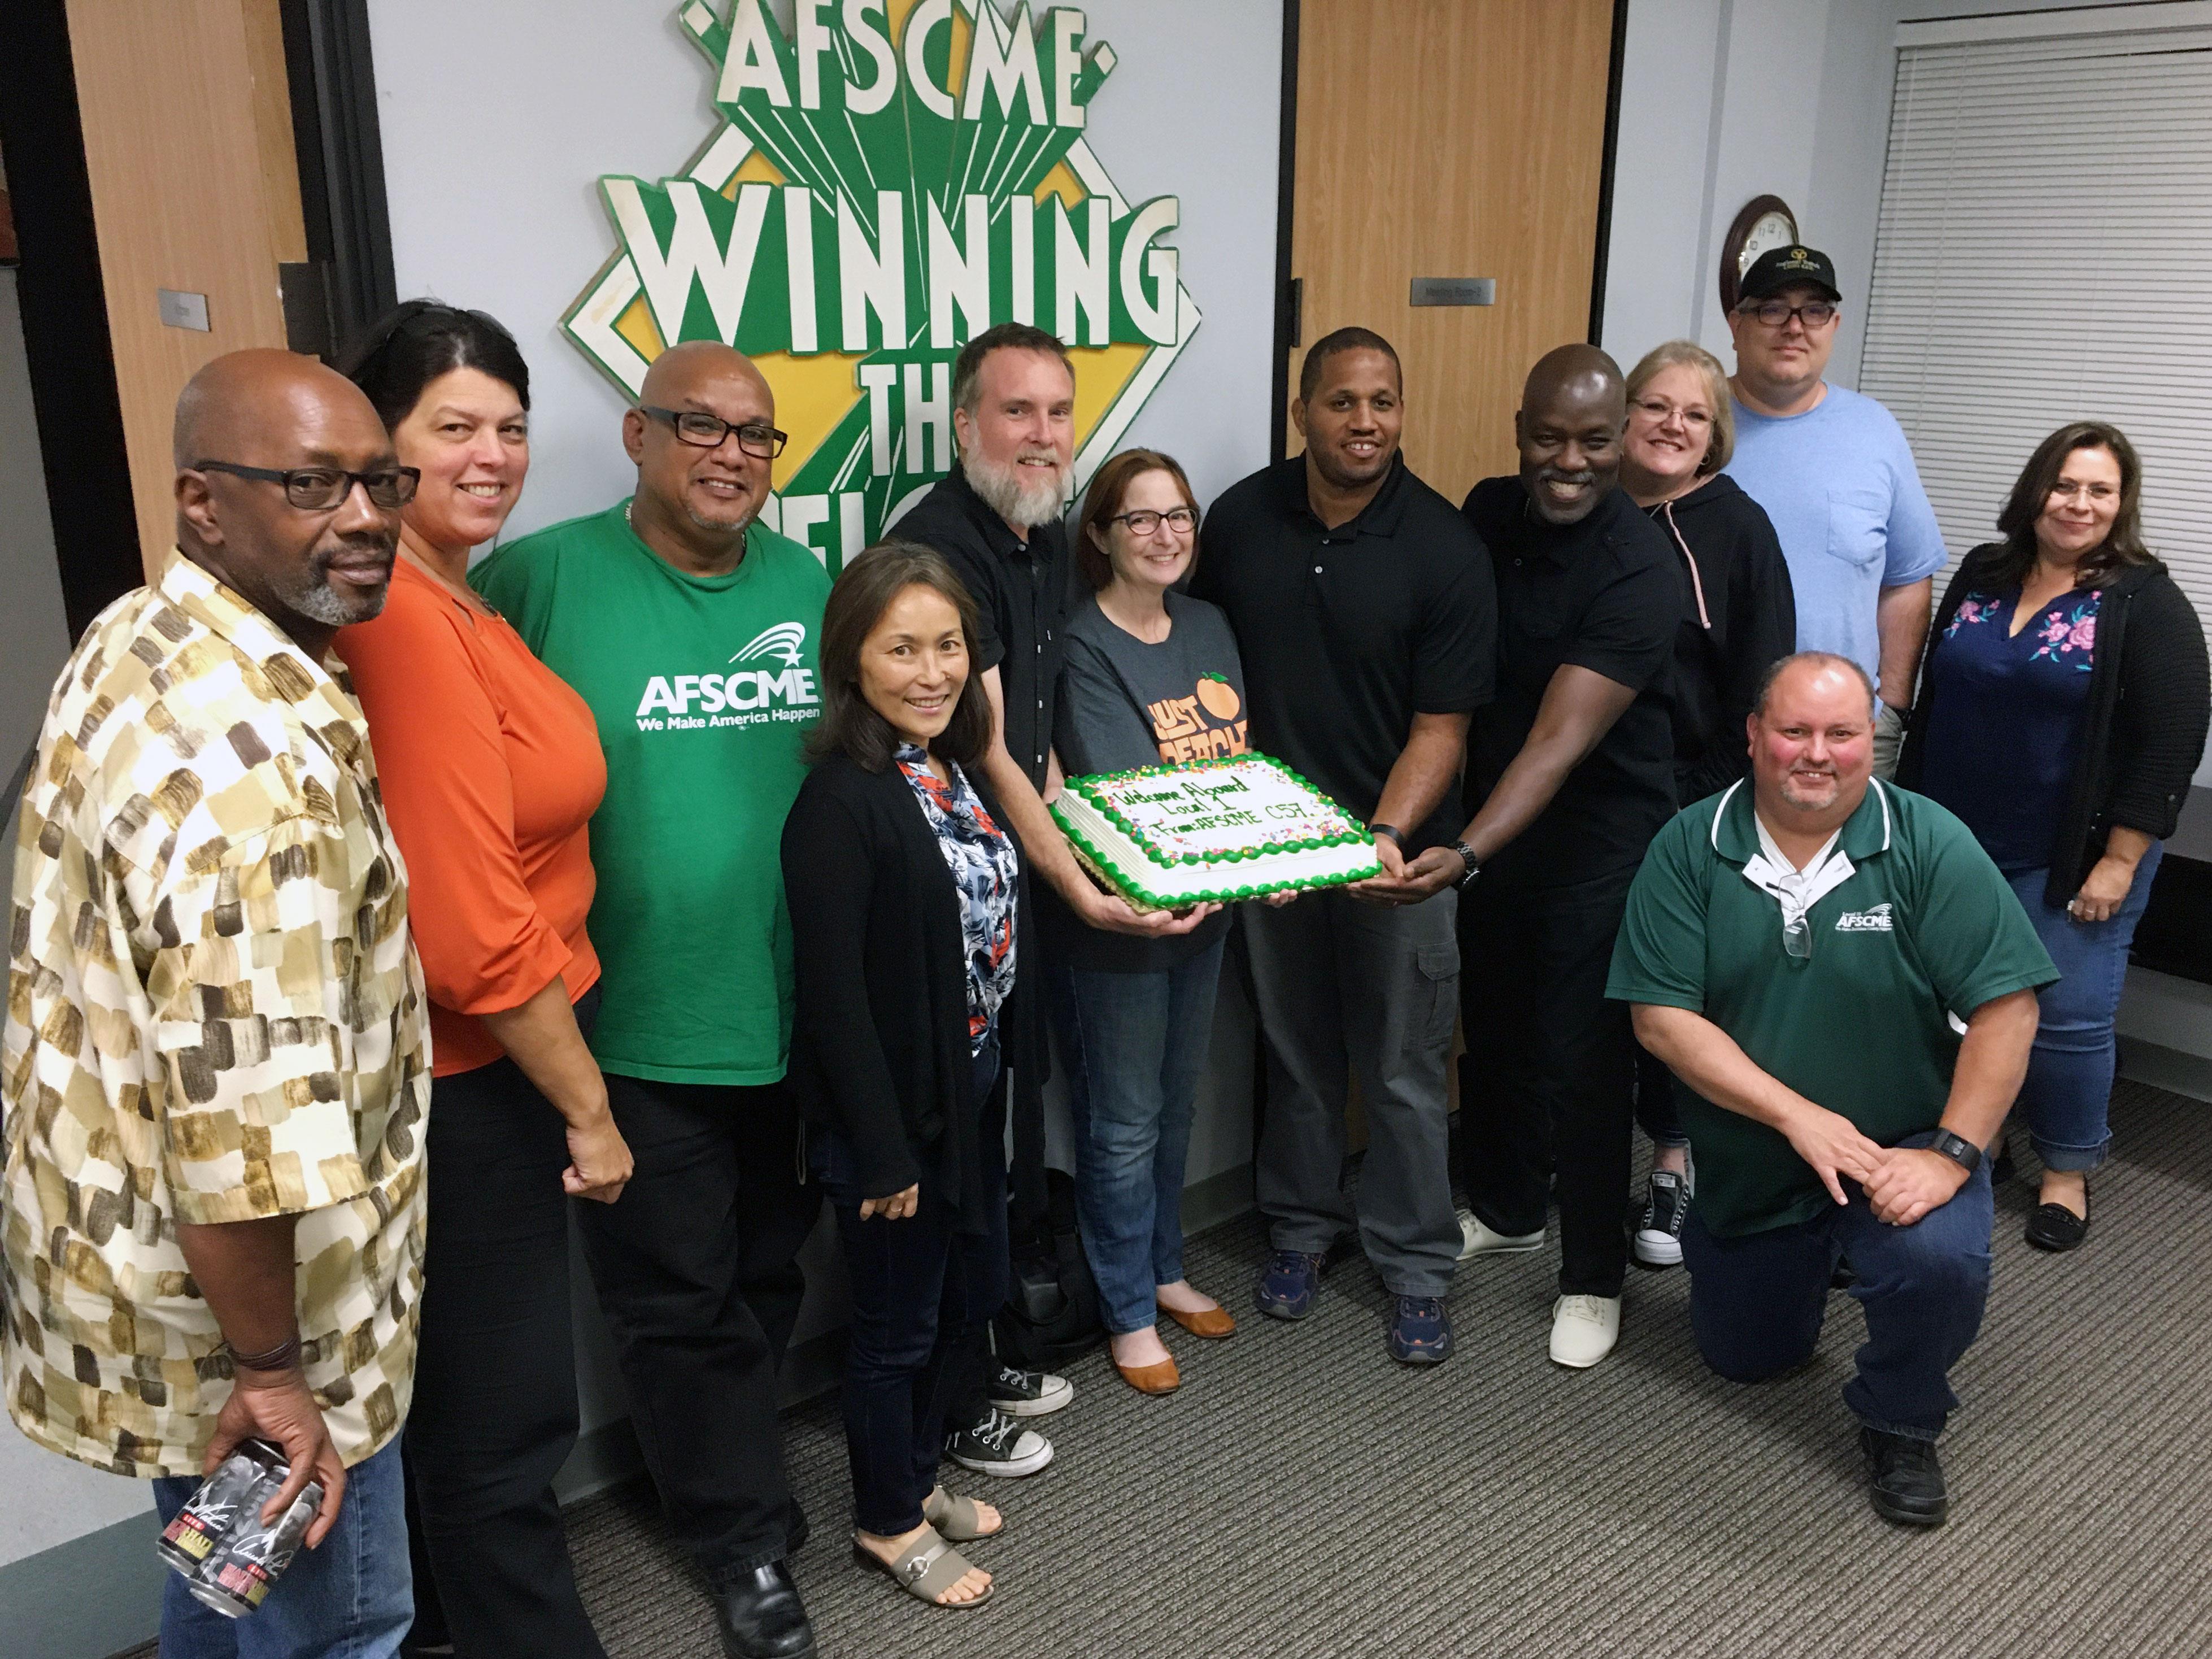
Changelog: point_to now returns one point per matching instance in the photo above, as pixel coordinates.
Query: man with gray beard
(997, 519)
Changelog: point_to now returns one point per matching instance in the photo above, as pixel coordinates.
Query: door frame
(332, 81)
(1288, 323)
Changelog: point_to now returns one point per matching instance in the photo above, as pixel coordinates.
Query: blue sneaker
(1286, 1290)
(1420, 1331)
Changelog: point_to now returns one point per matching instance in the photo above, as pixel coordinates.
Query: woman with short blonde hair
(1738, 616)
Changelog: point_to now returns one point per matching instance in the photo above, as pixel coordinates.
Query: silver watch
(1473, 864)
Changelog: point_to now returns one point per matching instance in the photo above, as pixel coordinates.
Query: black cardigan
(2142, 732)
(1748, 622)
(879, 1048)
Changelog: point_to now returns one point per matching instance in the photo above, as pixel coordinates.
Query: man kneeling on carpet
(909, 918)
(1805, 953)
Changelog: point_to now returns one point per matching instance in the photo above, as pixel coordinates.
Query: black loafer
(1904, 1479)
(2054, 1227)
(761, 1616)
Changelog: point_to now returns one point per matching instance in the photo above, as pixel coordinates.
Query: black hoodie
(1741, 617)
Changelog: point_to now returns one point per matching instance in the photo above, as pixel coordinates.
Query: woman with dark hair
(1150, 677)
(1739, 618)
(908, 923)
(2063, 708)
(491, 770)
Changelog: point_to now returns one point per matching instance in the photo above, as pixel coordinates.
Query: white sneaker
(1475, 1239)
(1584, 1329)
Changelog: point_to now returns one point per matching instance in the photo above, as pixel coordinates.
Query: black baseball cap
(1780, 267)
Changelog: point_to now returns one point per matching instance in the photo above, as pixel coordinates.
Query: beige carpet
(1303, 1496)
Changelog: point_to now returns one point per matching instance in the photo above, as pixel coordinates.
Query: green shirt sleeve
(1975, 941)
(1660, 955)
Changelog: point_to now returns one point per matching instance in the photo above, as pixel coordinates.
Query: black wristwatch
(1959, 1150)
(1473, 864)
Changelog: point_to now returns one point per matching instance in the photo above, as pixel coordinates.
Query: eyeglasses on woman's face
(1143, 522)
(1658, 411)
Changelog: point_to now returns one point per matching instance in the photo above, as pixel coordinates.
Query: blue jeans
(350, 1597)
(2069, 1072)
(922, 1292)
(1135, 1045)
(1756, 1302)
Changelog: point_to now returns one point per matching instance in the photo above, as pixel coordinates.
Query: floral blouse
(2004, 719)
(985, 871)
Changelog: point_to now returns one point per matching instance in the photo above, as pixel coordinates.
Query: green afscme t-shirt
(703, 688)
(1923, 928)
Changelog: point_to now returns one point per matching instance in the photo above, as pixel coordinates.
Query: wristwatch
(1473, 864)
(1959, 1150)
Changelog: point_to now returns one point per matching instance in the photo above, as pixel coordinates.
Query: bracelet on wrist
(282, 1357)
(1392, 830)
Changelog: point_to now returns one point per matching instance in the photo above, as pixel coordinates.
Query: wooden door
(1458, 138)
(195, 188)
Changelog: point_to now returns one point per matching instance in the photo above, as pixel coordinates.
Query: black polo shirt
(1022, 599)
(1605, 594)
(1347, 634)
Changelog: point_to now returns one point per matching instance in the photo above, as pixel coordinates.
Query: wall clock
(1765, 223)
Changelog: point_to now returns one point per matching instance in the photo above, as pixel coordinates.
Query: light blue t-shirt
(1846, 501)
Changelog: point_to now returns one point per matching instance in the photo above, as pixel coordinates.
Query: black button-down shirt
(1022, 599)
(1605, 594)
(1347, 634)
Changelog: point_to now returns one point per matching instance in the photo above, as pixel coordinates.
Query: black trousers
(1545, 1085)
(698, 1277)
(494, 1411)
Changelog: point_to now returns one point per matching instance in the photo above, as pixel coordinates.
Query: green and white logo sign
(892, 178)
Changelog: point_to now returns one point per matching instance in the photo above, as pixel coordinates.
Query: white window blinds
(2045, 255)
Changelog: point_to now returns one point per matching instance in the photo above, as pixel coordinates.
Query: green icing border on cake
(1086, 786)
(1098, 862)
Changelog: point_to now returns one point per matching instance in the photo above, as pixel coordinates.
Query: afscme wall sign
(889, 180)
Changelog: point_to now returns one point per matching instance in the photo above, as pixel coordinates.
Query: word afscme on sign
(892, 180)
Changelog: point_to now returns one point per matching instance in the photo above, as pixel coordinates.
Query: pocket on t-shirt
(1858, 525)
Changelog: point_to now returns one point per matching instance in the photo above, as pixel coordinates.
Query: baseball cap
(1778, 267)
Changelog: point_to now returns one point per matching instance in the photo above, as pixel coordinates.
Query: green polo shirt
(1923, 928)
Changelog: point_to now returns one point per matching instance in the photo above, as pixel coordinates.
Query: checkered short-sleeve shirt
(215, 1013)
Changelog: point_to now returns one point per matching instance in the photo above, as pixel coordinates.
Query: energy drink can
(238, 1562)
(240, 1485)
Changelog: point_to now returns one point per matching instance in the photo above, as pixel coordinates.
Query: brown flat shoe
(1211, 1323)
(1162, 1378)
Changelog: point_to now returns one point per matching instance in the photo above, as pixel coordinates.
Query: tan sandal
(956, 1519)
(926, 1569)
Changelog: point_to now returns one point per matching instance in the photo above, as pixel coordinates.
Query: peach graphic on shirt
(1219, 697)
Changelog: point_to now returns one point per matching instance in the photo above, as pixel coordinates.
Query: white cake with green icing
(1239, 826)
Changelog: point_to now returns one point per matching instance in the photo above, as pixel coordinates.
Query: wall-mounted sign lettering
(890, 179)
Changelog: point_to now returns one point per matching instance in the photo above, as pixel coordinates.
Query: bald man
(1570, 774)
(216, 1062)
(691, 629)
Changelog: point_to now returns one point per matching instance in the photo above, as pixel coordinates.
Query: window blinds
(2044, 255)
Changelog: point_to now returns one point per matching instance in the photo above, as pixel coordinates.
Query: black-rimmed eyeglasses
(704, 431)
(320, 488)
(1144, 520)
(1776, 313)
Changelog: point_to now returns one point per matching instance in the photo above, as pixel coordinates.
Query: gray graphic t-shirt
(1125, 703)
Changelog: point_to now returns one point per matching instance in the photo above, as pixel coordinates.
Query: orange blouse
(491, 770)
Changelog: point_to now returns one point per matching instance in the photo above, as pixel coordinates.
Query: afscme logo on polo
(782, 688)
(1874, 919)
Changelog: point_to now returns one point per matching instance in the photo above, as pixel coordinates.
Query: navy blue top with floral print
(984, 870)
(2006, 723)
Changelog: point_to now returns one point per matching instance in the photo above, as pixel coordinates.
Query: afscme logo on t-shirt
(1874, 919)
(745, 697)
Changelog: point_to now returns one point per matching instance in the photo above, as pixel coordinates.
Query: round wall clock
(1765, 223)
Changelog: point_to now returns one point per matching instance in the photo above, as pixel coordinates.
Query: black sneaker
(998, 1444)
(1028, 1394)
(1659, 1235)
(1906, 1478)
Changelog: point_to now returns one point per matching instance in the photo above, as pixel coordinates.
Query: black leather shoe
(1905, 1478)
(761, 1616)
(2054, 1227)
